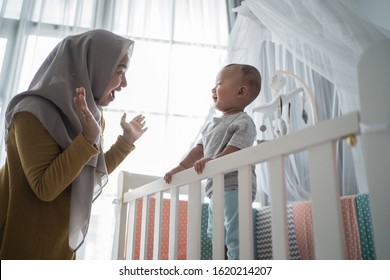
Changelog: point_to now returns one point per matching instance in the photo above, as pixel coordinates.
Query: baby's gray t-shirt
(236, 130)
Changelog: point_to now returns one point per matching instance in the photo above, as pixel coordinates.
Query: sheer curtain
(180, 46)
(321, 42)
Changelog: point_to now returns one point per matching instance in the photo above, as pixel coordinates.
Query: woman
(55, 164)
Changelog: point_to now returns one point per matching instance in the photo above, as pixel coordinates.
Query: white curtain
(321, 42)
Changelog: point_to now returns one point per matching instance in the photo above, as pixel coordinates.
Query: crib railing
(319, 141)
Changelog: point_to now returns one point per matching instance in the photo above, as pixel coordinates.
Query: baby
(236, 87)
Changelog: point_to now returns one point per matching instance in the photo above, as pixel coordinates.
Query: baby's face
(226, 89)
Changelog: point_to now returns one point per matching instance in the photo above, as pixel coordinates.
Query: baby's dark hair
(250, 76)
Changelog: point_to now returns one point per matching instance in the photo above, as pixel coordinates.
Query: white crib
(371, 124)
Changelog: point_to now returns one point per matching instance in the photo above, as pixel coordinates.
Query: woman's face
(116, 83)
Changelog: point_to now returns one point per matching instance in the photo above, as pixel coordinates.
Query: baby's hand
(200, 164)
(168, 175)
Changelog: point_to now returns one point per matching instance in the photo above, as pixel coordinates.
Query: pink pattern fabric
(351, 229)
(303, 224)
(164, 249)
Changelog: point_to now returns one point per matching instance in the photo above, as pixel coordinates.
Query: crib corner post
(374, 91)
(120, 221)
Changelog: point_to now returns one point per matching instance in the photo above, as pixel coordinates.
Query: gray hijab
(88, 60)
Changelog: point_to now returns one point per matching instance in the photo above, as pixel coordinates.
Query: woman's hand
(134, 129)
(90, 127)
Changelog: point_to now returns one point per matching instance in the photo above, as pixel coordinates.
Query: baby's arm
(228, 150)
(194, 154)
(200, 164)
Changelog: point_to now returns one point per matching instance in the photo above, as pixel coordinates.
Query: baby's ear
(242, 92)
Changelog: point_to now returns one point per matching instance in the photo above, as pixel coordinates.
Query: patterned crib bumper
(356, 217)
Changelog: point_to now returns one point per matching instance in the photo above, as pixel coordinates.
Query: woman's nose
(124, 81)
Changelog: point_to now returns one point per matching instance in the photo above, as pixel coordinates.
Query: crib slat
(132, 217)
(119, 248)
(218, 201)
(278, 209)
(194, 213)
(173, 223)
(144, 229)
(121, 210)
(245, 212)
(328, 240)
(157, 225)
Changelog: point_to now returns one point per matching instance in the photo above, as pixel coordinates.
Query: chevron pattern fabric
(263, 234)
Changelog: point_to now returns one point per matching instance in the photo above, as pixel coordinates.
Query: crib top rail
(331, 130)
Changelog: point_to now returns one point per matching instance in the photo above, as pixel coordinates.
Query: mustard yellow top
(35, 189)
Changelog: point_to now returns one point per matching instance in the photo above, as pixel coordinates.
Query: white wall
(375, 10)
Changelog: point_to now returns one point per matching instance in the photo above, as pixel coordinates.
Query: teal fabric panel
(206, 247)
(365, 226)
